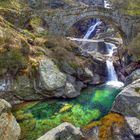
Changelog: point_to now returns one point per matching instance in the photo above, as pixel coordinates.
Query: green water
(37, 118)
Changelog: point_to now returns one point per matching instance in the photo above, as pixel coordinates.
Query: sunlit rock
(134, 125)
(9, 128)
(50, 76)
(65, 131)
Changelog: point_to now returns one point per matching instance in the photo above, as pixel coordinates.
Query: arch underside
(106, 19)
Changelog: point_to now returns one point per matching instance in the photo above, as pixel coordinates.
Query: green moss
(134, 47)
(137, 90)
(36, 21)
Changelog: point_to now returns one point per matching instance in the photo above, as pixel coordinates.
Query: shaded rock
(50, 76)
(134, 124)
(97, 79)
(70, 91)
(65, 131)
(127, 102)
(123, 133)
(67, 68)
(23, 87)
(135, 75)
(9, 128)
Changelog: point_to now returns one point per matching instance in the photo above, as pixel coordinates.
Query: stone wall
(94, 2)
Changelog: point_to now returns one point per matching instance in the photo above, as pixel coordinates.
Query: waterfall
(112, 75)
(92, 29)
(5, 84)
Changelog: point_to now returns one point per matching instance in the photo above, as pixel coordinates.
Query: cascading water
(112, 75)
(92, 29)
(112, 79)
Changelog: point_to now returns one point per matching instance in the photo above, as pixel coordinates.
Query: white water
(92, 29)
(112, 75)
(106, 4)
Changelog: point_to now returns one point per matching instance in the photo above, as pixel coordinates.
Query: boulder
(70, 91)
(134, 124)
(65, 131)
(122, 133)
(9, 128)
(127, 102)
(50, 76)
(132, 77)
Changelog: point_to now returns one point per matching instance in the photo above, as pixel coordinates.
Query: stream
(36, 118)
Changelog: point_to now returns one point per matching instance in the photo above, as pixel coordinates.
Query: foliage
(12, 59)
(130, 7)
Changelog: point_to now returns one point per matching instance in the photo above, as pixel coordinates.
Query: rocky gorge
(70, 70)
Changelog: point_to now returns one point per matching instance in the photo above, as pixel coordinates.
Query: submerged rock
(65, 131)
(50, 76)
(9, 128)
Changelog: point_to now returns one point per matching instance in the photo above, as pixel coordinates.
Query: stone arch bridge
(60, 21)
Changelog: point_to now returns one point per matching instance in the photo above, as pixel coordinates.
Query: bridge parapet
(60, 20)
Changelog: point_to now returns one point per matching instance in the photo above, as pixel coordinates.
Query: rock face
(127, 103)
(134, 125)
(9, 128)
(133, 76)
(55, 83)
(50, 76)
(94, 2)
(65, 131)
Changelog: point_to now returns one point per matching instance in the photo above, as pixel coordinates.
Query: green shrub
(13, 59)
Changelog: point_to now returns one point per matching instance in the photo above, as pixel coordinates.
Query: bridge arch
(63, 20)
(106, 20)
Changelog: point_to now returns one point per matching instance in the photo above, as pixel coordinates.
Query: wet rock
(9, 128)
(65, 131)
(50, 76)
